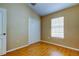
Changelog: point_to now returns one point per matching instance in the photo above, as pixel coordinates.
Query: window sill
(57, 38)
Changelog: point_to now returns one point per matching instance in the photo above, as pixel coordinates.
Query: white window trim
(54, 36)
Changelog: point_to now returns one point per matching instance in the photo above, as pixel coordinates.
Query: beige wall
(17, 24)
(71, 26)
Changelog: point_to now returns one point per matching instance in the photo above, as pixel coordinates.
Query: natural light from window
(57, 27)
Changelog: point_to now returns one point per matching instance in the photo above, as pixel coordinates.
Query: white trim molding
(20, 47)
(61, 45)
(17, 48)
(45, 42)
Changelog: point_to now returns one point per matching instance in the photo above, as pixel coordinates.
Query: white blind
(57, 27)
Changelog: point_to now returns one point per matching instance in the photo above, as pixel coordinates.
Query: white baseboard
(17, 48)
(61, 45)
(42, 41)
(20, 47)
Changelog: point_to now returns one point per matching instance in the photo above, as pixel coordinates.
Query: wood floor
(43, 49)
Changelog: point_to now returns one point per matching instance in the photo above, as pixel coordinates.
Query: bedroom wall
(71, 27)
(17, 23)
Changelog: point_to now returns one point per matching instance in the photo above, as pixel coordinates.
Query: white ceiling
(46, 8)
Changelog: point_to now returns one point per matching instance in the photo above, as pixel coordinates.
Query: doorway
(33, 30)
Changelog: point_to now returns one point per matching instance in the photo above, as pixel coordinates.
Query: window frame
(54, 36)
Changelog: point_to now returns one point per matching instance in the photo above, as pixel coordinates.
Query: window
(57, 27)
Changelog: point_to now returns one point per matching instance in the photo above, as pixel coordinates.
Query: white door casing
(33, 30)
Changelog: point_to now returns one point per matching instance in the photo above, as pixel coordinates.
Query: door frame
(4, 11)
(29, 19)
